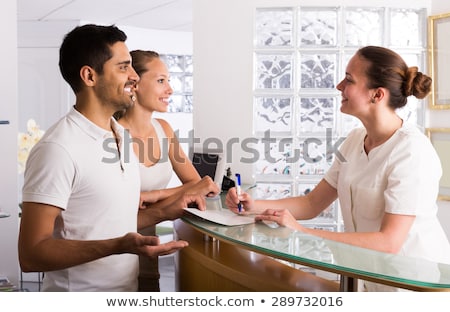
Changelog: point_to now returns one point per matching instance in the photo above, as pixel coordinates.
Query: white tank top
(158, 175)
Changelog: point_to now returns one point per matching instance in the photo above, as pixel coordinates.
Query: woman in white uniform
(385, 175)
(159, 153)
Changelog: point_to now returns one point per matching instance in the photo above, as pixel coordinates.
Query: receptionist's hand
(232, 200)
(282, 217)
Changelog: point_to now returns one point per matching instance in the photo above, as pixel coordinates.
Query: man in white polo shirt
(81, 191)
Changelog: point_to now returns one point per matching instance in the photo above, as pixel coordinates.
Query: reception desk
(256, 257)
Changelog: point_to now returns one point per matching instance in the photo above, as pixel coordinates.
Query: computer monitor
(209, 162)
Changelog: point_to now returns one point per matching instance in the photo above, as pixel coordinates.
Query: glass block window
(313, 160)
(363, 26)
(274, 158)
(180, 71)
(274, 71)
(274, 27)
(300, 55)
(317, 70)
(316, 113)
(273, 113)
(410, 24)
(318, 27)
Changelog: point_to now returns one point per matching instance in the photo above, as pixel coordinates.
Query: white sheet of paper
(223, 216)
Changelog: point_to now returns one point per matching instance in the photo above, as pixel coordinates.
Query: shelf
(4, 215)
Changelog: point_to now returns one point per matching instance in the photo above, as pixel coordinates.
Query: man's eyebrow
(124, 63)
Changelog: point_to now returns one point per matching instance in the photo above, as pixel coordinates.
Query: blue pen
(238, 190)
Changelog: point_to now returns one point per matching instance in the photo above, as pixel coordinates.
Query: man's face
(116, 86)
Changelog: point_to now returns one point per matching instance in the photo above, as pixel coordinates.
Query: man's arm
(39, 250)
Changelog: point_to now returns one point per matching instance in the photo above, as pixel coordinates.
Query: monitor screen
(209, 162)
(206, 164)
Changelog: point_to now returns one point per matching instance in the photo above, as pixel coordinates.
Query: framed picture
(440, 138)
(439, 57)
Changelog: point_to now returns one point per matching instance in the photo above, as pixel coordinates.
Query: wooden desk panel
(212, 265)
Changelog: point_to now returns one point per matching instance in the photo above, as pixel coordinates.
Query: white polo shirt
(400, 176)
(75, 167)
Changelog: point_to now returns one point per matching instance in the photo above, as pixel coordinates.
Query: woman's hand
(149, 197)
(232, 200)
(205, 187)
(282, 217)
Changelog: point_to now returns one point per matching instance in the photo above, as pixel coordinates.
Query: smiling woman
(158, 150)
(312, 45)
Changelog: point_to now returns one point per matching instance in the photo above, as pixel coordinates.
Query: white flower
(26, 141)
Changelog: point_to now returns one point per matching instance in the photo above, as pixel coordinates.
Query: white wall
(161, 41)
(8, 139)
(43, 94)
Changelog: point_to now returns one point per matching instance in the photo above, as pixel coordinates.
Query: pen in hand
(238, 190)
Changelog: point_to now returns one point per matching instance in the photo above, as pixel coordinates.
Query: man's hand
(149, 245)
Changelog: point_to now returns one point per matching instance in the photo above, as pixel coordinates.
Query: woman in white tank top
(159, 153)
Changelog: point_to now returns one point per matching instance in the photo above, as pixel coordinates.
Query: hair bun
(416, 83)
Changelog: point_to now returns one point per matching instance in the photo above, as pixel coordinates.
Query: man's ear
(87, 74)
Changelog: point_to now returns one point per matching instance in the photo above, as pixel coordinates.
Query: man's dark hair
(87, 45)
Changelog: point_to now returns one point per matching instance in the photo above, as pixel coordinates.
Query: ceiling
(175, 15)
